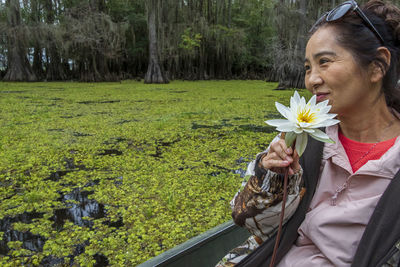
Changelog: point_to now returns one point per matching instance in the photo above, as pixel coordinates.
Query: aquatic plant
(116, 173)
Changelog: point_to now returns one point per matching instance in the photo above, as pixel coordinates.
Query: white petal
(328, 140)
(298, 130)
(323, 118)
(301, 143)
(282, 109)
(326, 123)
(312, 101)
(290, 127)
(319, 134)
(293, 103)
(277, 122)
(304, 124)
(323, 104)
(324, 109)
(308, 130)
(302, 102)
(296, 97)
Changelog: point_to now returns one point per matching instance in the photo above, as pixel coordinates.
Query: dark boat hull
(203, 250)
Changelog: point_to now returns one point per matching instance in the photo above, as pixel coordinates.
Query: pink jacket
(334, 224)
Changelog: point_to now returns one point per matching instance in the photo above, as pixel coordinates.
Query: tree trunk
(55, 70)
(291, 74)
(37, 65)
(154, 71)
(19, 68)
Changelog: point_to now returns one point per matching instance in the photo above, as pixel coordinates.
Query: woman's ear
(377, 68)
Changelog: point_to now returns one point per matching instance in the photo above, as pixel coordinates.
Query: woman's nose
(314, 79)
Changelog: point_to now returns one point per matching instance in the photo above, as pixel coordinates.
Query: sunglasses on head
(344, 8)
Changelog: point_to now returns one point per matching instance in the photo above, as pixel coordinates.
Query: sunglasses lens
(338, 12)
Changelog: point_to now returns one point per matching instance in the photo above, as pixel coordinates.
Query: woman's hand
(279, 157)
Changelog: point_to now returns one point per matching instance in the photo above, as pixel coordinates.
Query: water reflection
(79, 206)
(29, 241)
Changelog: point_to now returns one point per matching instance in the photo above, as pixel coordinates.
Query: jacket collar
(385, 167)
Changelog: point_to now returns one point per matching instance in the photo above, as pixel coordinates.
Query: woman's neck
(377, 124)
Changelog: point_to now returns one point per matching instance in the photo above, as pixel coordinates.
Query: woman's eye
(307, 68)
(323, 61)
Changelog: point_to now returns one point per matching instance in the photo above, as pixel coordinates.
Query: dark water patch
(56, 99)
(79, 206)
(115, 140)
(52, 261)
(110, 152)
(160, 145)
(257, 128)
(240, 171)
(101, 260)
(222, 169)
(29, 241)
(70, 166)
(56, 176)
(126, 121)
(71, 116)
(239, 118)
(13, 92)
(273, 116)
(242, 160)
(117, 224)
(119, 180)
(102, 113)
(179, 91)
(214, 174)
(78, 134)
(99, 102)
(224, 123)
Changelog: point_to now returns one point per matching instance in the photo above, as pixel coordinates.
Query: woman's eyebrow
(319, 54)
(324, 53)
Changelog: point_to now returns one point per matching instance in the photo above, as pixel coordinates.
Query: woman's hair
(355, 36)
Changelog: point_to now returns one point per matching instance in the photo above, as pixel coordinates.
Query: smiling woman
(340, 208)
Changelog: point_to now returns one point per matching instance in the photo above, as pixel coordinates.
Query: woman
(342, 207)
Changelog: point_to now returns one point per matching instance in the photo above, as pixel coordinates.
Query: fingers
(280, 156)
(282, 150)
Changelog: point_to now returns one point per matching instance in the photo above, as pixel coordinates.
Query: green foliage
(160, 158)
(190, 40)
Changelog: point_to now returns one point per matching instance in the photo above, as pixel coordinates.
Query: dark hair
(355, 36)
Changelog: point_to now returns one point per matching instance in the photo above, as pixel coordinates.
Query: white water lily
(304, 118)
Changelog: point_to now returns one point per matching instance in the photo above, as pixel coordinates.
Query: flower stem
(278, 235)
(285, 183)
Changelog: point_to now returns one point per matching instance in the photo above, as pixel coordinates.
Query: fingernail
(289, 150)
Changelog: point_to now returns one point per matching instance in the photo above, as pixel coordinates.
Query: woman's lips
(321, 97)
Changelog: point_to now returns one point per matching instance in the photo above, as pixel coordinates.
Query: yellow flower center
(305, 116)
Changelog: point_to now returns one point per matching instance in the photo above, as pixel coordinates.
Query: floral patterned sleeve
(257, 207)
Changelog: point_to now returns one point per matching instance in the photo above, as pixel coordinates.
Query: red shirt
(359, 153)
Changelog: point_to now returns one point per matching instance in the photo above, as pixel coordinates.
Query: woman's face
(333, 74)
